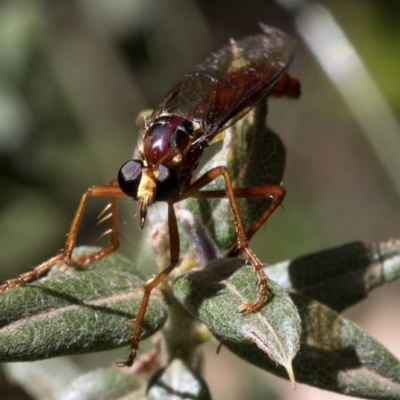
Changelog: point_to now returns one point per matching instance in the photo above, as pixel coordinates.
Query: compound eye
(129, 177)
(167, 184)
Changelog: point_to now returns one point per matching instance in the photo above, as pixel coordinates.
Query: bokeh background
(74, 74)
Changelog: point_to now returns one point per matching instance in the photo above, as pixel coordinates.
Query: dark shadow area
(335, 277)
(207, 282)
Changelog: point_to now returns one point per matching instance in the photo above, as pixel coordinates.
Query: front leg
(65, 255)
(152, 283)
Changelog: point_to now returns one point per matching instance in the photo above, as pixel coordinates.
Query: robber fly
(213, 96)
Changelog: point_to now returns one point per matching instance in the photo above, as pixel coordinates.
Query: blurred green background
(74, 74)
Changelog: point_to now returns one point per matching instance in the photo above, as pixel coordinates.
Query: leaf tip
(289, 370)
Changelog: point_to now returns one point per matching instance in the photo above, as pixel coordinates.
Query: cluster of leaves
(299, 334)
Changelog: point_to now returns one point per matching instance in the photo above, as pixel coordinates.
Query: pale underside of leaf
(177, 381)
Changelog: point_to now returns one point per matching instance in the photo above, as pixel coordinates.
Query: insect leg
(153, 283)
(113, 191)
(243, 244)
(255, 192)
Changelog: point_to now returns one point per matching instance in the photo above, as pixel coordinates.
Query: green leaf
(342, 276)
(177, 381)
(254, 156)
(42, 379)
(335, 355)
(214, 294)
(79, 313)
(107, 384)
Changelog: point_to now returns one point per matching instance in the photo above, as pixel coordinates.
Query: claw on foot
(263, 297)
(129, 361)
(254, 306)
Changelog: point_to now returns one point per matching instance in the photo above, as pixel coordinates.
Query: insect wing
(230, 82)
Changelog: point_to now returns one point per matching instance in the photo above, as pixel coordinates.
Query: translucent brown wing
(231, 81)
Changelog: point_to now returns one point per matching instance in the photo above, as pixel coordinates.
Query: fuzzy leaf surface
(342, 276)
(75, 313)
(214, 294)
(335, 355)
(42, 379)
(110, 384)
